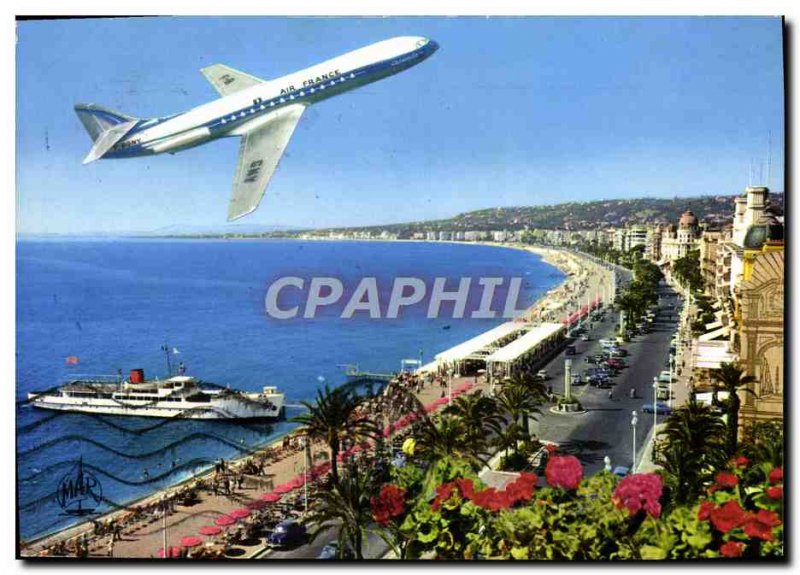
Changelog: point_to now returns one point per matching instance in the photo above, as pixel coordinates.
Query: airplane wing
(228, 81)
(259, 154)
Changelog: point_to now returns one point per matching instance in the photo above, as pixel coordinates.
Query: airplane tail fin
(105, 126)
(97, 120)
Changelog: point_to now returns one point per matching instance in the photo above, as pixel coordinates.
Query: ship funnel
(137, 375)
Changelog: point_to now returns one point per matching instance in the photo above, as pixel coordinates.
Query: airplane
(263, 112)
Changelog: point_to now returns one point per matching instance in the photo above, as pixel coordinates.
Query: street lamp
(164, 528)
(655, 406)
(634, 421)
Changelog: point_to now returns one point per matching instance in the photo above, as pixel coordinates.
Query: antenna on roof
(769, 158)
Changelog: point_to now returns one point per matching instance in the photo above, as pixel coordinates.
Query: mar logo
(79, 491)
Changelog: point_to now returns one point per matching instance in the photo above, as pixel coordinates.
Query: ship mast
(165, 349)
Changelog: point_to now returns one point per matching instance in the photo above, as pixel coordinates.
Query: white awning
(722, 331)
(712, 354)
(714, 325)
(463, 350)
(527, 343)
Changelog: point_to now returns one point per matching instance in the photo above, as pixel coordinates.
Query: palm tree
(347, 506)
(729, 377)
(692, 450)
(516, 403)
(334, 417)
(535, 389)
(448, 438)
(478, 413)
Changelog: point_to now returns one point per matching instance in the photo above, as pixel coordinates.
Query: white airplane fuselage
(248, 110)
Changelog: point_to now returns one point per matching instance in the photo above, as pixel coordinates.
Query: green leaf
(651, 552)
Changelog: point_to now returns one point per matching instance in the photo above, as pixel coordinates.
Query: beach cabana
(209, 530)
(479, 346)
(240, 513)
(224, 520)
(271, 497)
(528, 349)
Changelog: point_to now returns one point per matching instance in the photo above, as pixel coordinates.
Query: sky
(509, 111)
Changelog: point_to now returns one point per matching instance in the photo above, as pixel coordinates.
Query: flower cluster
(639, 491)
(519, 490)
(775, 491)
(389, 503)
(730, 516)
(564, 471)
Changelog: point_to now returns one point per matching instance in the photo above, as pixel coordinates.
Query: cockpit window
(422, 42)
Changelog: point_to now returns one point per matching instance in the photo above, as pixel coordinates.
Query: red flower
(726, 480)
(704, 513)
(776, 475)
(443, 493)
(768, 518)
(564, 471)
(522, 488)
(639, 491)
(492, 499)
(732, 549)
(775, 492)
(389, 503)
(551, 448)
(754, 528)
(741, 461)
(729, 516)
(466, 487)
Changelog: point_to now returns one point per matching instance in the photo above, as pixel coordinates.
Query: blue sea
(114, 304)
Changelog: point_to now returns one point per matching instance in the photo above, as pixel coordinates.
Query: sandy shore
(585, 279)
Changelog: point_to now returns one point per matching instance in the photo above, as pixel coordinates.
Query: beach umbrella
(191, 541)
(256, 504)
(271, 497)
(173, 553)
(209, 530)
(283, 488)
(240, 513)
(224, 520)
(298, 481)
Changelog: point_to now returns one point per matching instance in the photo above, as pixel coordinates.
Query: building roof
(526, 343)
(465, 349)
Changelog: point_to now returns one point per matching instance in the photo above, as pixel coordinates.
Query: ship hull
(219, 409)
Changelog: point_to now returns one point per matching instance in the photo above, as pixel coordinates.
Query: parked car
(288, 533)
(586, 337)
(570, 350)
(577, 379)
(665, 376)
(661, 408)
(542, 375)
(615, 362)
(331, 552)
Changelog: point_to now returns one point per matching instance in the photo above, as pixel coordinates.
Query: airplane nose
(433, 45)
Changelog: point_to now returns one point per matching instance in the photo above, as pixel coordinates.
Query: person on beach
(110, 546)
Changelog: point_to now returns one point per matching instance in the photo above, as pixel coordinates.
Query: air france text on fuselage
(312, 81)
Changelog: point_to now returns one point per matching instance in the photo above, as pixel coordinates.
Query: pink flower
(564, 471)
(639, 491)
(732, 549)
(776, 475)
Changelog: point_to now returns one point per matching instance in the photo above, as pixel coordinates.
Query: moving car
(288, 533)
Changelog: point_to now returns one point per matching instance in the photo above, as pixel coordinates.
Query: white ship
(179, 396)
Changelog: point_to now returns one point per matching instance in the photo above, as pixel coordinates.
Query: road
(605, 429)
